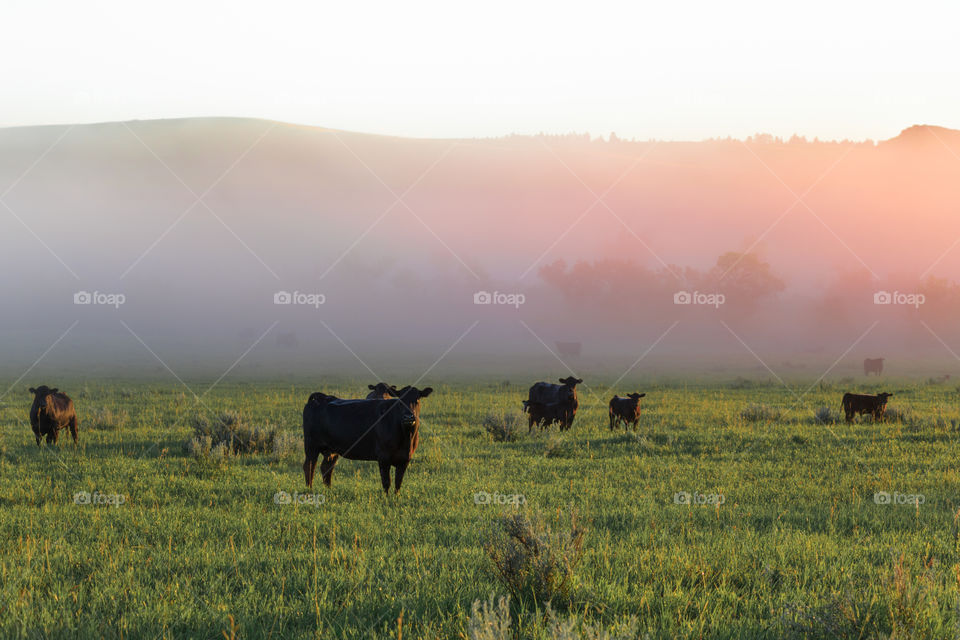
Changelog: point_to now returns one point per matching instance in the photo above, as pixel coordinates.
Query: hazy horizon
(198, 223)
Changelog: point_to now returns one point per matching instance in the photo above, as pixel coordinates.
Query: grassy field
(790, 543)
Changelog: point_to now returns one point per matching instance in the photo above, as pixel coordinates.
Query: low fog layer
(132, 248)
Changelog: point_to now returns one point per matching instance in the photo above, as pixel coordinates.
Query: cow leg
(326, 468)
(400, 469)
(385, 475)
(309, 463)
(612, 420)
(53, 435)
(73, 428)
(36, 434)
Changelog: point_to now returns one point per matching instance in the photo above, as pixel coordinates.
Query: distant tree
(744, 277)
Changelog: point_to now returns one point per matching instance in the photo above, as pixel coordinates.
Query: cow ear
(54, 390)
(426, 392)
(393, 387)
(32, 390)
(563, 379)
(642, 395)
(371, 387)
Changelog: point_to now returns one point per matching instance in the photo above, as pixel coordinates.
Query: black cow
(625, 410)
(855, 403)
(382, 390)
(873, 365)
(387, 431)
(543, 415)
(543, 395)
(51, 412)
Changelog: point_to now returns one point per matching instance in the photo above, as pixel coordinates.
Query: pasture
(793, 537)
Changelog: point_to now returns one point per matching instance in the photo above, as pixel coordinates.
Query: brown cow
(873, 365)
(625, 410)
(855, 403)
(51, 412)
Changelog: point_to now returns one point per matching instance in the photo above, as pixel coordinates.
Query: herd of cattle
(385, 425)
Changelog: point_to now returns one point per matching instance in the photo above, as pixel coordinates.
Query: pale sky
(690, 70)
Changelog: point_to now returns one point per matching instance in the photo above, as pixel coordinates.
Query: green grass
(799, 548)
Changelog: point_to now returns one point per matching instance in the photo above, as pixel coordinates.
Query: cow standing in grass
(387, 431)
(51, 412)
(859, 404)
(625, 410)
(873, 365)
(547, 403)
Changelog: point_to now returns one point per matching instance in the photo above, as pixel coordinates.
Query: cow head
(383, 389)
(319, 399)
(42, 391)
(568, 393)
(405, 409)
(883, 397)
(636, 396)
(40, 398)
(410, 398)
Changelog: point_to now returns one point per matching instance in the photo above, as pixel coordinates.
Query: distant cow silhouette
(873, 365)
(569, 349)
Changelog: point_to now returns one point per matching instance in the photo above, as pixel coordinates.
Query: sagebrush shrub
(826, 415)
(503, 427)
(532, 561)
(760, 413)
(228, 434)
